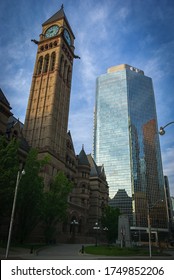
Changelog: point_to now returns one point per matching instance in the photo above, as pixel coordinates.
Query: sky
(108, 33)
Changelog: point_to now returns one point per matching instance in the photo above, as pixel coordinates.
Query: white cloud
(81, 127)
(98, 14)
(88, 67)
(153, 68)
(169, 163)
(158, 63)
(16, 89)
(123, 13)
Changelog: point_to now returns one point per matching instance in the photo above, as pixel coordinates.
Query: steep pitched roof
(57, 16)
(69, 137)
(12, 121)
(120, 194)
(82, 158)
(3, 99)
(94, 167)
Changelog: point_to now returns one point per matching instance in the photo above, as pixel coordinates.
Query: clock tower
(47, 113)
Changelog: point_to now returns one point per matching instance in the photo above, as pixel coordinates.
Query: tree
(9, 166)
(55, 204)
(30, 195)
(109, 221)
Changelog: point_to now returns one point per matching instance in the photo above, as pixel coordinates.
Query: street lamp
(162, 131)
(96, 227)
(19, 176)
(73, 225)
(149, 224)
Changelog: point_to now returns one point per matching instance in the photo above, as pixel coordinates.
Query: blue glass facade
(126, 141)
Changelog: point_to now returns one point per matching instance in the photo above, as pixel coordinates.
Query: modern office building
(126, 141)
(169, 204)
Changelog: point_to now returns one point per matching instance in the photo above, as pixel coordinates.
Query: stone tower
(48, 106)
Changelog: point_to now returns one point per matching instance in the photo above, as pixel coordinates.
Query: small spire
(82, 146)
(62, 7)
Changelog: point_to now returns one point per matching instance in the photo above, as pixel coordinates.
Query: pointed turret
(96, 171)
(82, 158)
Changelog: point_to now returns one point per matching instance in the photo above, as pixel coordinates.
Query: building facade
(46, 121)
(47, 113)
(169, 205)
(45, 128)
(126, 141)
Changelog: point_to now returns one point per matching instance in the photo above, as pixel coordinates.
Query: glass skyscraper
(126, 141)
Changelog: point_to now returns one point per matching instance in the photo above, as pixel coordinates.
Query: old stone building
(11, 126)
(46, 124)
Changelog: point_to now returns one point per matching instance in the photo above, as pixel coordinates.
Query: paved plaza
(69, 252)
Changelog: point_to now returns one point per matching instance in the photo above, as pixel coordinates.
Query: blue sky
(108, 33)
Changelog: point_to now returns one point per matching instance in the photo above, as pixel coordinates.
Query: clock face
(67, 36)
(52, 31)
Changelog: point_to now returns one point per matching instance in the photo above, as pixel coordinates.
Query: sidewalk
(67, 251)
(14, 253)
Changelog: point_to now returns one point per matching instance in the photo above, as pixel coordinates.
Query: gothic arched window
(61, 65)
(53, 60)
(46, 63)
(65, 70)
(69, 75)
(39, 65)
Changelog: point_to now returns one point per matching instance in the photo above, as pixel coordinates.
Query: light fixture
(162, 131)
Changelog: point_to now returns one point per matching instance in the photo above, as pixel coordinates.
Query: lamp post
(96, 227)
(149, 224)
(162, 131)
(73, 225)
(19, 176)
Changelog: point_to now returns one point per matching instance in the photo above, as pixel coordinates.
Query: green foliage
(109, 220)
(115, 251)
(33, 204)
(9, 166)
(30, 195)
(55, 203)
